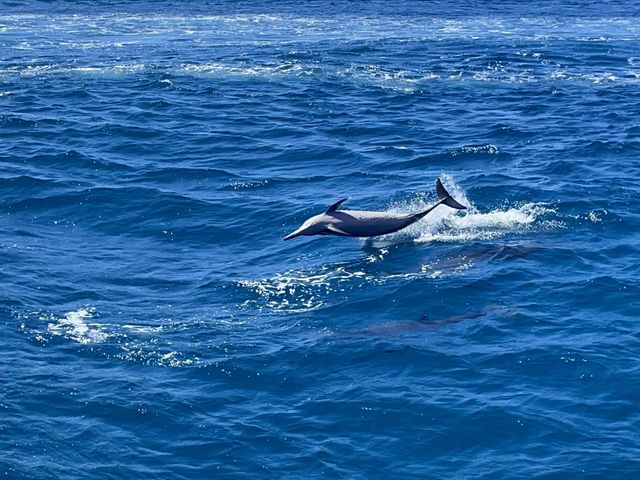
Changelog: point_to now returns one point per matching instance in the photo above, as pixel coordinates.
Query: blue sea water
(155, 325)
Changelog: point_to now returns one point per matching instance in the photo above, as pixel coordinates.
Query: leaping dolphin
(355, 223)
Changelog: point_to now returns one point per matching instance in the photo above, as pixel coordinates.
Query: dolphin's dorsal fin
(336, 205)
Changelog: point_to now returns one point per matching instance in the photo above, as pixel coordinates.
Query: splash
(148, 344)
(448, 225)
(74, 326)
(484, 226)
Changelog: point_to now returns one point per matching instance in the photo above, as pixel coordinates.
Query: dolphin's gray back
(359, 223)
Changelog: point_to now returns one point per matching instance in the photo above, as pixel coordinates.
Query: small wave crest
(265, 70)
(403, 81)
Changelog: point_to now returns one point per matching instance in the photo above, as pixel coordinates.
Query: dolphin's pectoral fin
(331, 230)
(336, 205)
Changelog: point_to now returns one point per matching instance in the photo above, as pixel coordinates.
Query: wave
(404, 80)
(57, 69)
(340, 24)
(324, 60)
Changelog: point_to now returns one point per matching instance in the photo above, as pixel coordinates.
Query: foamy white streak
(74, 326)
(449, 225)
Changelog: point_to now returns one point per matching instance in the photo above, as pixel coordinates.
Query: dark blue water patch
(188, 175)
(56, 163)
(598, 148)
(471, 155)
(23, 185)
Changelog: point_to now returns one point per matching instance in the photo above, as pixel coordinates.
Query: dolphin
(357, 223)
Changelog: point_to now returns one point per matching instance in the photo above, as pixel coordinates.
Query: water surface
(154, 323)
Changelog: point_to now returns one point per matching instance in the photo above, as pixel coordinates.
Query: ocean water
(155, 325)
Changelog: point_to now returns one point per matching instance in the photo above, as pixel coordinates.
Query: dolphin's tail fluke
(446, 198)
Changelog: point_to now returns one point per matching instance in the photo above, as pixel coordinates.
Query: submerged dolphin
(354, 223)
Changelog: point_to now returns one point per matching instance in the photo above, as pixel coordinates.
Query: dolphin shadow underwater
(400, 328)
(359, 223)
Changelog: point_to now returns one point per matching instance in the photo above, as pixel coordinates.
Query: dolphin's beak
(294, 234)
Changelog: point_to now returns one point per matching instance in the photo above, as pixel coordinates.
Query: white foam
(475, 225)
(75, 327)
(300, 291)
(488, 148)
(48, 69)
(286, 68)
(144, 329)
(404, 81)
(449, 225)
(141, 353)
(147, 344)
